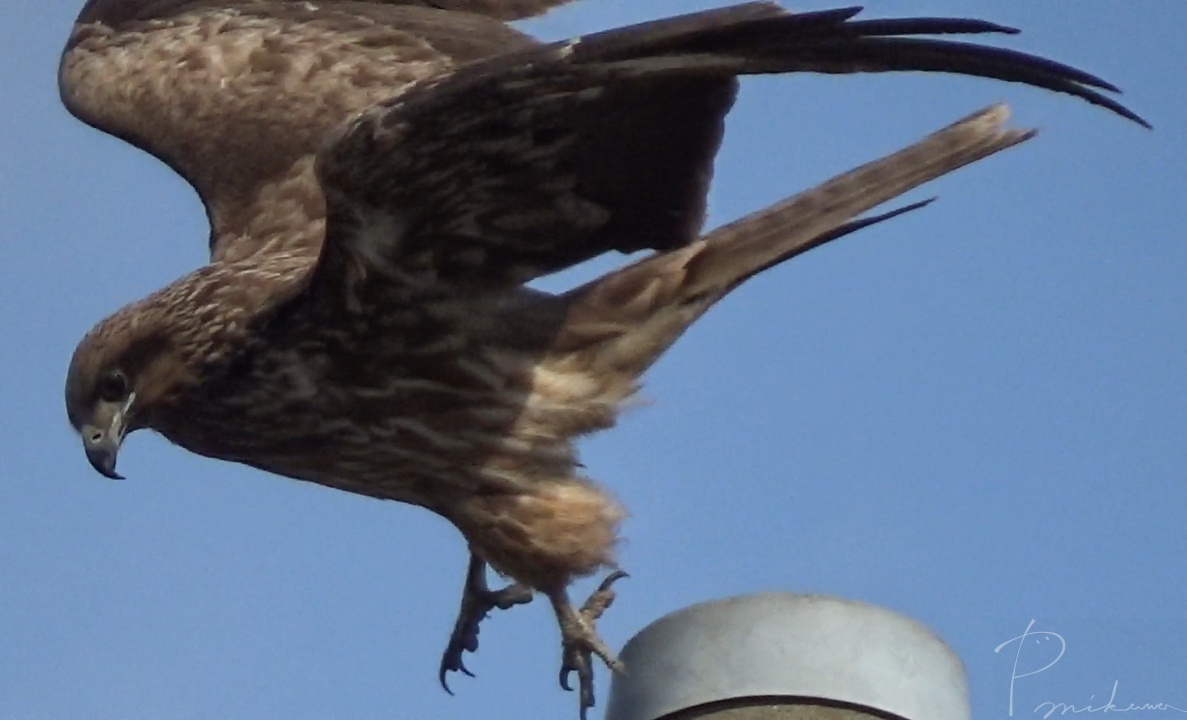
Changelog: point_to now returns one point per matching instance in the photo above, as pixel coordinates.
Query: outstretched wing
(238, 95)
(528, 163)
(501, 9)
(119, 11)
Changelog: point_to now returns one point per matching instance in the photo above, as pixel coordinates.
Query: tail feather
(625, 320)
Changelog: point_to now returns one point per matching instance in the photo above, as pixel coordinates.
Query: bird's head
(141, 367)
(121, 373)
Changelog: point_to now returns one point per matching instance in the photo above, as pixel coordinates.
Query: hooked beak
(102, 445)
(102, 450)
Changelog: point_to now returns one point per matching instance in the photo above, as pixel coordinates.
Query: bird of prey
(382, 179)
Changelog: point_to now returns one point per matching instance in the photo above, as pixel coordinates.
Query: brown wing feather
(114, 12)
(238, 96)
(533, 161)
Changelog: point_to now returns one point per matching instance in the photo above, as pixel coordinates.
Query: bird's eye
(113, 386)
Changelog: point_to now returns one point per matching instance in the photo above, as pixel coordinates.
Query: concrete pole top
(778, 645)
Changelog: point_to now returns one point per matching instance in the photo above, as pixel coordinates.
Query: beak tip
(104, 463)
(102, 441)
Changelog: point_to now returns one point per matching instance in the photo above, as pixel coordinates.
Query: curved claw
(603, 597)
(579, 663)
(477, 601)
(448, 665)
(587, 700)
(580, 641)
(612, 578)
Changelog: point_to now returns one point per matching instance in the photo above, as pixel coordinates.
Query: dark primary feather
(503, 170)
(829, 41)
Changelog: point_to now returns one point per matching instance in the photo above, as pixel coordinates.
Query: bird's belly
(418, 427)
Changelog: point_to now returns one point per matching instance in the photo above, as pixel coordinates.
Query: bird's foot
(477, 600)
(580, 641)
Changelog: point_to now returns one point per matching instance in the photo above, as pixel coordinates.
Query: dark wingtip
(996, 63)
(1111, 104)
(890, 42)
(929, 26)
(1129, 114)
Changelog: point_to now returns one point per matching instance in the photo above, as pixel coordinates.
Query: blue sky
(975, 415)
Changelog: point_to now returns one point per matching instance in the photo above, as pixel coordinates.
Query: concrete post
(780, 656)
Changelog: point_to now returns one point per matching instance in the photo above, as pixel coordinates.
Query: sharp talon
(600, 600)
(587, 698)
(580, 641)
(461, 666)
(613, 578)
(456, 664)
(477, 601)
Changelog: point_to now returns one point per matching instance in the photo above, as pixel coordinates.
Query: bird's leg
(579, 638)
(477, 600)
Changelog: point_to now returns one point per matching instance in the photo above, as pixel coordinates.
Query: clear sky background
(975, 415)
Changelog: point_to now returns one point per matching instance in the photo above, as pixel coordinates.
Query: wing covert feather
(113, 12)
(237, 97)
(501, 171)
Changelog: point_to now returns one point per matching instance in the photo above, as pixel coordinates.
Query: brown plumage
(381, 180)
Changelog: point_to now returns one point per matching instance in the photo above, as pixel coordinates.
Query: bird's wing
(518, 166)
(122, 10)
(502, 9)
(238, 95)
